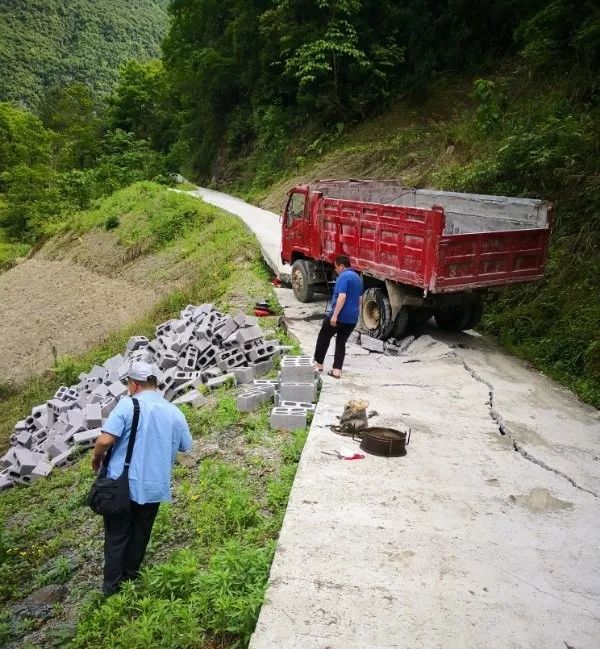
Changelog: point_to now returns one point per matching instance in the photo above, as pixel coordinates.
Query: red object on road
(421, 252)
(261, 313)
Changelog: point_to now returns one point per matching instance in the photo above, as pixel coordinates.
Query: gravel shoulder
(46, 305)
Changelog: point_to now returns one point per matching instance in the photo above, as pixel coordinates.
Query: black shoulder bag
(110, 496)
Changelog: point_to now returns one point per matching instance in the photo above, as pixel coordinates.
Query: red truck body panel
(408, 245)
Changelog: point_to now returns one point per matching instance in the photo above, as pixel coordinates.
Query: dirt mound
(46, 304)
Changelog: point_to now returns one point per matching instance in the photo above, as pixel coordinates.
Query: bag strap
(134, 427)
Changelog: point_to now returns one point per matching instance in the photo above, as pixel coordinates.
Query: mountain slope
(54, 42)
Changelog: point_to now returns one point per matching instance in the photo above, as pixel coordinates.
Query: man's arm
(103, 443)
(185, 441)
(338, 307)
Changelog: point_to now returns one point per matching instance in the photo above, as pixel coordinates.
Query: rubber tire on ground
(453, 318)
(420, 317)
(475, 317)
(376, 300)
(303, 291)
(400, 323)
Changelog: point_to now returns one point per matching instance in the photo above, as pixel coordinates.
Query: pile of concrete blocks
(294, 393)
(203, 347)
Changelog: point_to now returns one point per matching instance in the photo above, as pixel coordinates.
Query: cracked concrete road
(485, 536)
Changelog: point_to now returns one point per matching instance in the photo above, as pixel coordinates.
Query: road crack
(505, 430)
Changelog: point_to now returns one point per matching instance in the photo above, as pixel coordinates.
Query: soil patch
(56, 304)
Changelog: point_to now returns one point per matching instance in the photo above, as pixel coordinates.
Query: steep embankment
(510, 136)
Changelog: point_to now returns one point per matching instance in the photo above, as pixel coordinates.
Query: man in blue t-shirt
(341, 316)
(162, 431)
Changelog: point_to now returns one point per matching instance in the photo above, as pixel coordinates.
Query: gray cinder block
(293, 391)
(24, 439)
(64, 459)
(219, 381)
(261, 352)
(41, 470)
(113, 363)
(191, 398)
(56, 448)
(117, 390)
(262, 367)
(87, 438)
(266, 385)
(6, 482)
(251, 400)
(135, 343)
(93, 415)
(243, 374)
(287, 418)
(107, 406)
(297, 368)
(372, 344)
(25, 461)
(310, 407)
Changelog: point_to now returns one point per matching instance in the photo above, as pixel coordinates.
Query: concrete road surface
(485, 535)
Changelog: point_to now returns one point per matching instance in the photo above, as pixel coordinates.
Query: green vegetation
(52, 43)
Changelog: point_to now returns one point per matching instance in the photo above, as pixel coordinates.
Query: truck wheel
(303, 291)
(475, 316)
(400, 323)
(376, 314)
(420, 317)
(453, 318)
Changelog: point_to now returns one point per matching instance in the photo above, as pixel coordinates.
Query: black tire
(453, 318)
(303, 291)
(400, 323)
(419, 317)
(475, 317)
(376, 314)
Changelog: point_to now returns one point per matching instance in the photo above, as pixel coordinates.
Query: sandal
(335, 376)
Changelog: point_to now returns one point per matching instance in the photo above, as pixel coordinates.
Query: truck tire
(453, 318)
(376, 314)
(475, 316)
(419, 317)
(303, 291)
(400, 323)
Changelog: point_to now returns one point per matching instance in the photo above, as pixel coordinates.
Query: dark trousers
(125, 539)
(341, 332)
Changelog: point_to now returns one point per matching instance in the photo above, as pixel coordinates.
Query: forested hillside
(49, 43)
(494, 97)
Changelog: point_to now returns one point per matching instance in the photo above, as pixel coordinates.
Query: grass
(530, 136)
(10, 251)
(209, 558)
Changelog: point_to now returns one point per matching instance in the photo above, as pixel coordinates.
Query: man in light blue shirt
(162, 431)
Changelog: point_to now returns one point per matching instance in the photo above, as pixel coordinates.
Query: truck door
(295, 225)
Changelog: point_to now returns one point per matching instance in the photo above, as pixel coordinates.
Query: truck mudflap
(468, 261)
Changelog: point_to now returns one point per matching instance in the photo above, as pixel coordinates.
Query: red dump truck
(421, 253)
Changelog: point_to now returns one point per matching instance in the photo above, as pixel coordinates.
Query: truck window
(295, 207)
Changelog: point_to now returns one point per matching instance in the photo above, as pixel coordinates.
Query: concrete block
(107, 406)
(372, 344)
(24, 439)
(117, 390)
(66, 394)
(99, 393)
(297, 368)
(56, 448)
(240, 318)
(266, 385)
(25, 461)
(87, 438)
(229, 359)
(248, 334)
(191, 398)
(57, 406)
(208, 357)
(41, 470)
(243, 374)
(96, 372)
(135, 343)
(39, 436)
(220, 381)
(261, 352)
(309, 407)
(20, 425)
(113, 363)
(211, 373)
(355, 337)
(166, 359)
(64, 459)
(287, 418)
(251, 400)
(299, 391)
(225, 329)
(6, 482)
(262, 367)
(190, 359)
(75, 417)
(93, 415)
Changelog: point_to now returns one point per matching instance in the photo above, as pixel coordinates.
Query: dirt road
(50, 304)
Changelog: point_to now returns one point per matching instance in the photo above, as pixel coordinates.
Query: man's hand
(333, 321)
(96, 462)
